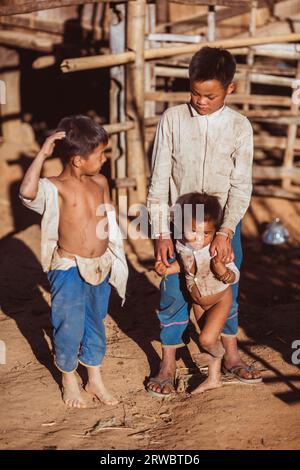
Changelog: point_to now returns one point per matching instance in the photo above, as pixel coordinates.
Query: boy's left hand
(222, 246)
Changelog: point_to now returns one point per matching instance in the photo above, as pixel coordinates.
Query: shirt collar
(207, 116)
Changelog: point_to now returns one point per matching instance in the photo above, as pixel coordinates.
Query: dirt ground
(236, 416)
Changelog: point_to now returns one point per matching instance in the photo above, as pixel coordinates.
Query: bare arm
(29, 186)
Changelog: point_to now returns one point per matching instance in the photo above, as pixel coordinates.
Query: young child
(207, 277)
(202, 146)
(82, 250)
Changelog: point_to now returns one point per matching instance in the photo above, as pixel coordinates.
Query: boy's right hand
(161, 268)
(164, 249)
(48, 145)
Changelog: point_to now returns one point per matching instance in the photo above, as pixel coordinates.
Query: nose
(202, 101)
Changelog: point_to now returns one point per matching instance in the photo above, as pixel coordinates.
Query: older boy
(207, 147)
(81, 259)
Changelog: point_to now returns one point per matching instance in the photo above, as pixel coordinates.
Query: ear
(77, 161)
(231, 88)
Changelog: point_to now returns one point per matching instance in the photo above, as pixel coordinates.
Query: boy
(81, 259)
(207, 147)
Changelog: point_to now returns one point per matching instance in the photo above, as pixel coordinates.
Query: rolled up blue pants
(78, 310)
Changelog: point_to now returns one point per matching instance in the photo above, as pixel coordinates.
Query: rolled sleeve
(239, 195)
(38, 203)
(158, 195)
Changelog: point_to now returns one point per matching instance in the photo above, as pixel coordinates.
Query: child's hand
(218, 267)
(161, 268)
(49, 143)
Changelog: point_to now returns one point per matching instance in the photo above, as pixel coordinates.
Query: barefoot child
(82, 258)
(207, 278)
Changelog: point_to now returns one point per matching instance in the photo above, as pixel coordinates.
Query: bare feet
(214, 376)
(208, 384)
(71, 391)
(96, 387)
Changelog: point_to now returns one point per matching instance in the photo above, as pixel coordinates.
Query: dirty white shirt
(203, 278)
(46, 203)
(212, 154)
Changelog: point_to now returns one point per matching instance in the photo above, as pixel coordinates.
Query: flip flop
(234, 372)
(161, 383)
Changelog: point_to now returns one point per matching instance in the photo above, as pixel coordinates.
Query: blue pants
(174, 307)
(77, 313)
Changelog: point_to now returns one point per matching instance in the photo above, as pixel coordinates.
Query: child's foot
(208, 384)
(71, 392)
(96, 387)
(214, 376)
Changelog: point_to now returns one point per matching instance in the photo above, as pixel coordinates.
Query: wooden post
(11, 110)
(211, 23)
(135, 82)
(251, 53)
(290, 142)
(117, 96)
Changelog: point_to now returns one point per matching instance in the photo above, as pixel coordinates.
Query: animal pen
(146, 46)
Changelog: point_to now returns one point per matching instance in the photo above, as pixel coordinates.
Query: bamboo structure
(148, 49)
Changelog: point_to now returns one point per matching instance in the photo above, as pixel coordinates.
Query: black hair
(212, 209)
(212, 63)
(83, 135)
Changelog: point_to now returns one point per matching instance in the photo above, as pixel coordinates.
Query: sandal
(161, 383)
(234, 372)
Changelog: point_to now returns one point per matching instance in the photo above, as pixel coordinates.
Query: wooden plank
(275, 191)
(181, 97)
(28, 6)
(224, 3)
(201, 20)
(276, 173)
(117, 127)
(272, 142)
(27, 41)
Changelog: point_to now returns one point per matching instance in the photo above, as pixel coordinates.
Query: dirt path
(237, 416)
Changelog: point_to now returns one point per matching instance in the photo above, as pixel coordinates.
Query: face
(92, 164)
(209, 96)
(200, 235)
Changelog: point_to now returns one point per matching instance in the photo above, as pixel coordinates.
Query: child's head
(84, 144)
(211, 73)
(201, 218)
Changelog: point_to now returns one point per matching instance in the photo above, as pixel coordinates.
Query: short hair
(212, 63)
(83, 135)
(213, 211)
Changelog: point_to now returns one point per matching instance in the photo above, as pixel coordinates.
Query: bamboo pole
(93, 62)
(117, 39)
(116, 127)
(29, 6)
(274, 191)
(251, 53)
(290, 141)
(135, 100)
(183, 96)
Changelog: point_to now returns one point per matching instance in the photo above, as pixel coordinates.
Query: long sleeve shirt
(212, 154)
